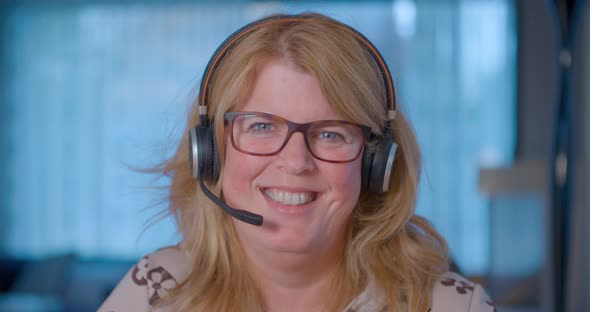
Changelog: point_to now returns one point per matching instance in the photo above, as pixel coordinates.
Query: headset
(377, 162)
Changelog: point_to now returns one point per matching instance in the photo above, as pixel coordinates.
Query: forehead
(289, 92)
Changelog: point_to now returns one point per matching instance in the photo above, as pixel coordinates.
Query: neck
(293, 281)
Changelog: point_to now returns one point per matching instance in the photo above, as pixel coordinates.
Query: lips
(289, 198)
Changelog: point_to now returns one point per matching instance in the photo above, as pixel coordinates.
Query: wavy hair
(387, 244)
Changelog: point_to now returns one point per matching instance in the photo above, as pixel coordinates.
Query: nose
(295, 158)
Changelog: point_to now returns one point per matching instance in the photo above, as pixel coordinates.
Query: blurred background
(497, 90)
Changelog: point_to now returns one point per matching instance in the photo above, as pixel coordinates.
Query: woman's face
(305, 202)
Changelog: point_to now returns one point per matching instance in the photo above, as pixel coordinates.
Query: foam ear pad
(203, 154)
(378, 166)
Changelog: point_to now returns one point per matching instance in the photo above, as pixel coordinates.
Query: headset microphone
(203, 167)
(241, 215)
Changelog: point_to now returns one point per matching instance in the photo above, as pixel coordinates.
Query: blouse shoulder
(453, 292)
(148, 280)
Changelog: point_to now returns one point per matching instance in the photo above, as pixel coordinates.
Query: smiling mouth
(290, 198)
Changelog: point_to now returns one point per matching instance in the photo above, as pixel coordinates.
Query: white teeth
(287, 198)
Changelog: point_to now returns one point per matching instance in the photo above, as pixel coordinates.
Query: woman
(299, 141)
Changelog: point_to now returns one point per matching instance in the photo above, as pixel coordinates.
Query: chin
(273, 236)
(290, 246)
(293, 239)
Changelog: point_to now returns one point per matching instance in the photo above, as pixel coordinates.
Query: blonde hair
(387, 243)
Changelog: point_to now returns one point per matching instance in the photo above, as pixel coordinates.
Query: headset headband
(237, 35)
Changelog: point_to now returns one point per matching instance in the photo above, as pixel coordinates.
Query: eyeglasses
(263, 134)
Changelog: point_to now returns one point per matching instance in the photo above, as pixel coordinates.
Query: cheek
(238, 173)
(346, 180)
(345, 186)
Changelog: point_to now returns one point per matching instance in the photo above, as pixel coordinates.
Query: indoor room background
(93, 91)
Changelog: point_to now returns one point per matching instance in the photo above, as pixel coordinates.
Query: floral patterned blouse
(156, 273)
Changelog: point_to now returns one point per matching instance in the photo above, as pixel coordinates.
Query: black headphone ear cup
(203, 154)
(380, 166)
(193, 152)
(215, 165)
(368, 155)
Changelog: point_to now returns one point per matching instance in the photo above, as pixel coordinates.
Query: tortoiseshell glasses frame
(264, 134)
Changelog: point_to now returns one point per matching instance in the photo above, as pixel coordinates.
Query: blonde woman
(297, 188)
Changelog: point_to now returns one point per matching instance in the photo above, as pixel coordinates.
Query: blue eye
(261, 127)
(330, 136)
